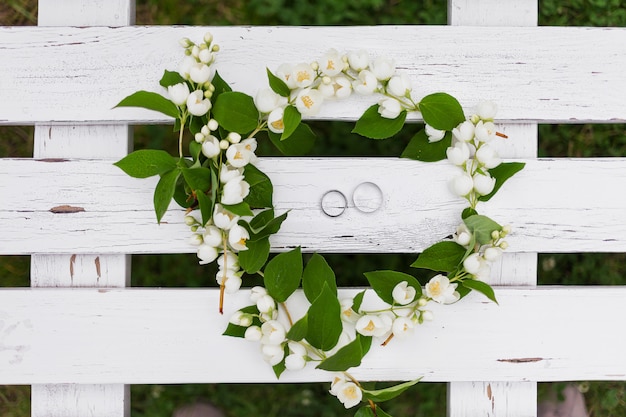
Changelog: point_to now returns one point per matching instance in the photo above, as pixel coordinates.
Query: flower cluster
(335, 76)
(472, 153)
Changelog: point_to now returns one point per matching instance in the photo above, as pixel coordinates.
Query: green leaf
(253, 259)
(206, 205)
(171, 78)
(374, 126)
(151, 101)
(315, 275)
(146, 163)
(236, 112)
(324, 321)
(348, 356)
(441, 111)
(262, 219)
(299, 329)
(501, 173)
(383, 282)
(261, 189)
(299, 142)
(387, 394)
(198, 178)
(240, 331)
(357, 301)
(220, 85)
(420, 149)
(467, 212)
(271, 228)
(482, 227)
(278, 85)
(291, 120)
(195, 149)
(481, 287)
(441, 257)
(164, 192)
(241, 209)
(366, 411)
(283, 274)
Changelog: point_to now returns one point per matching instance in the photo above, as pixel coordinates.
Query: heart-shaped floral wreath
(231, 216)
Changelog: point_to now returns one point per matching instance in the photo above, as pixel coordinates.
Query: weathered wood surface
(534, 74)
(174, 336)
(93, 207)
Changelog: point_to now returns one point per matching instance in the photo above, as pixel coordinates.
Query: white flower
(200, 73)
(473, 263)
(284, 72)
(366, 83)
(222, 276)
(295, 362)
(339, 87)
(239, 318)
(265, 303)
(487, 156)
(185, 66)
(211, 147)
(206, 56)
(273, 333)
(233, 137)
(331, 64)
(464, 131)
(206, 254)
(383, 68)
(459, 153)
(275, 120)
(178, 93)
(196, 240)
(484, 273)
(348, 393)
(399, 85)
(303, 75)
(371, 325)
(223, 218)
(486, 110)
(485, 131)
(267, 100)
(234, 191)
(253, 334)
(434, 135)
(212, 236)
(272, 354)
(359, 60)
(228, 261)
(440, 290)
(389, 108)
(483, 184)
(492, 253)
(402, 326)
(256, 293)
(197, 104)
(309, 101)
(462, 184)
(237, 237)
(403, 294)
(228, 172)
(242, 153)
(462, 235)
(233, 283)
(427, 315)
(347, 313)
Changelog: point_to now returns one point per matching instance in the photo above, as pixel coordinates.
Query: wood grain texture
(100, 335)
(54, 75)
(552, 206)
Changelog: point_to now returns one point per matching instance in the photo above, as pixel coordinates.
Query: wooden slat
(552, 205)
(100, 336)
(544, 74)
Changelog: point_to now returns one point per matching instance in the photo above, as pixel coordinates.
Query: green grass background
(303, 400)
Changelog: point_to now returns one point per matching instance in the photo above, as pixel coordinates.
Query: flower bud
(208, 38)
(253, 334)
(213, 125)
(224, 144)
(199, 137)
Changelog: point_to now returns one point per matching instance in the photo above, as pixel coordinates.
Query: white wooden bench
(79, 217)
